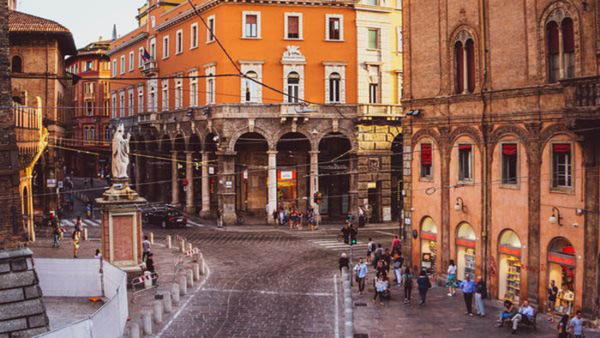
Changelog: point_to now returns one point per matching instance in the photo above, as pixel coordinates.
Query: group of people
(148, 259)
(58, 233)
(470, 288)
(294, 218)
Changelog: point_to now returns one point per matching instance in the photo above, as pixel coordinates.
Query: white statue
(120, 151)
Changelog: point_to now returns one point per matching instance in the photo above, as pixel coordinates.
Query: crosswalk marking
(195, 224)
(335, 245)
(86, 222)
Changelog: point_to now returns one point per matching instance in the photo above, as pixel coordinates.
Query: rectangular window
(130, 103)
(211, 31)
(122, 105)
(165, 95)
(114, 106)
(509, 163)
(335, 28)
(122, 64)
(178, 94)
(194, 36)
(373, 93)
(251, 26)
(140, 107)
(165, 47)
(89, 108)
(140, 57)
(426, 160)
(193, 90)
(293, 26)
(210, 91)
(562, 176)
(131, 61)
(89, 65)
(179, 42)
(399, 40)
(465, 152)
(373, 35)
(153, 49)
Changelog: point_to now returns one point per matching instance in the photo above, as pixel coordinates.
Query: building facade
(503, 175)
(208, 139)
(90, 130)
(38, 48)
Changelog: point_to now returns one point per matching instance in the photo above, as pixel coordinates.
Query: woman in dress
(451, 282)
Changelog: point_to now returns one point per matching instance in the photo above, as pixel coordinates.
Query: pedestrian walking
(78, 224)
(98, 254)
(378, 254)
(480, 295)
(396, 247)
(468, 288)
(387, 261)
(75, 237)
(408, 285)
(424, 285)
(150, 267)
(344, 262)
(451, 282)
(551, 304)
(576, 325)
(563, 327)
(145, 248)
(380, 269)
(398, 261)
(370, 249)
(361, 274)
(380, 287)
(56, 234)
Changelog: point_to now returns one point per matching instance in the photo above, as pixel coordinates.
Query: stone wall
(22, 311)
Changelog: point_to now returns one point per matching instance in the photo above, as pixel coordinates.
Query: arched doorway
(509, 267)
(334, 176)
(429, 232)
(397, 177)
(465, 251)
(293, 171)
(251, 177)
(561, 269)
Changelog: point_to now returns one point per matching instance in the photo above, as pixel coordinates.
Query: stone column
(533, 238)
(227, 187)
(561, 54)
(465, 70)
(314, 179)
(592, 203)
(272, 189)
(205, 187)
(174, 182)
(189, 176)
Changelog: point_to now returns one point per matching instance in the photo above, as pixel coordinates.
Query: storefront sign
(51, 183)
(211, 170)
(228, 184)
(465, 242)
(287, 174)
(509, 250)
(428, 235)
(245, 174)
(561, 259)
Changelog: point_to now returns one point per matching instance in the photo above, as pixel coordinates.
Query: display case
(513, 280)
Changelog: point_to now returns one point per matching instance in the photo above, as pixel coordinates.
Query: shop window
(509, 163)
(428, 245)
(334, 87)
(561, 165)
(426, 160)
(293, 87)
(465, 251)
(509, 267)
(465, 159)
(561, 270)
(17, 64)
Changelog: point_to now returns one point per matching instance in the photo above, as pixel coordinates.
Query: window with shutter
(293, 27)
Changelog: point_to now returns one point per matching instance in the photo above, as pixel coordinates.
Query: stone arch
(283, 131)
(234, 138)
(551, 131)
(557, 11)
(165, 143)
(349, 135)
(471, 132)
(462, 32)
(510, 130)
(424, 133)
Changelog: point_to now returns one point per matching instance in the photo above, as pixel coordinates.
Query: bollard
(167, 304)
(175, 293)
(182, 285)
(349, 329)
(189, 273)
(85, 234)
(147, 321)
(134, 330)
(182, 246)
(157, 311)
(151, 238)
(169, 245)
(347, 302)
(190, 247)
(196, 269)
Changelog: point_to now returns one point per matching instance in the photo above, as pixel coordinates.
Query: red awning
(561, 148)
(509, 149)
(464, 147)
(425, 153)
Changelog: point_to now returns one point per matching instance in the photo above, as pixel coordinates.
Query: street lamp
(555, 218)
(460, 205)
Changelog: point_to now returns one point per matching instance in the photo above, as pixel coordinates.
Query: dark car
(166, 218)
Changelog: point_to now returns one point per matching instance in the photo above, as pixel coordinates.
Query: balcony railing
(582, 92)
(380, 110)
(150, 68)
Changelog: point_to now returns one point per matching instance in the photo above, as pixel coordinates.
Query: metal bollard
(151, 238)
(169, 244)
(182, 285)
(134, 330)
(175, 293)
(167, 303)
(85, 234)
(189, 273)
(196, 269)
(147, 321)
(157, 311)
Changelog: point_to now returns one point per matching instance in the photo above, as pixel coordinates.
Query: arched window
(251, 94)
(560, 46)
(17, 64)
(293, 87)
(464, 64)
(334, 87)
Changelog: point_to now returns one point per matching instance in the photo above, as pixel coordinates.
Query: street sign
(60, 184)
(51, 183)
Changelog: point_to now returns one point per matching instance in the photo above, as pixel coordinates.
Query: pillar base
(229, 218)
(190, 209)
(205, 214)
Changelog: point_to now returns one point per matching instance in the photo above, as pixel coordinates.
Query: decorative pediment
(293, 55)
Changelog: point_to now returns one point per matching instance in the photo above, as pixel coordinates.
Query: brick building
(208, 139)
(90, 128)
(504, 164)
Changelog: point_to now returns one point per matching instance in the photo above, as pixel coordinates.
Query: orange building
(223, 142)
(504, 167)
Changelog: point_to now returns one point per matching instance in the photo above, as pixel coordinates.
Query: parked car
(167, 218)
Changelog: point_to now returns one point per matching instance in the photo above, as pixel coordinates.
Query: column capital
(314, 152)
(272, 152)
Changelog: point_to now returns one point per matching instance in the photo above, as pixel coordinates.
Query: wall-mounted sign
(228, 184)
(51, 183)
(245, 174)
(211, 170)
(287, 174)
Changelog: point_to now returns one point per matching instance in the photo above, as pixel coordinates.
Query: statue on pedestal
(120, 153)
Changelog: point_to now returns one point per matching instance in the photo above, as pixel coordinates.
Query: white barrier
(82, 278)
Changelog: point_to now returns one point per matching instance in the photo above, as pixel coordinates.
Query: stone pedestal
(122, 226)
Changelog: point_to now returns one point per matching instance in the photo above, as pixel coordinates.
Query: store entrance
(509, 267)
(428, 245)
(561, 270)
(465, 251)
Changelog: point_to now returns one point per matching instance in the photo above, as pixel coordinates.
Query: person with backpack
(396, 247)
(398, 260)
(378, 254)
(408, 285)
(424, 286)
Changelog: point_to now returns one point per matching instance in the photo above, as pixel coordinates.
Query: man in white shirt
(361, 274)
(526, 314)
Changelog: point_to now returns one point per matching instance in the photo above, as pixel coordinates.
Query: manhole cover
(360, 304)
